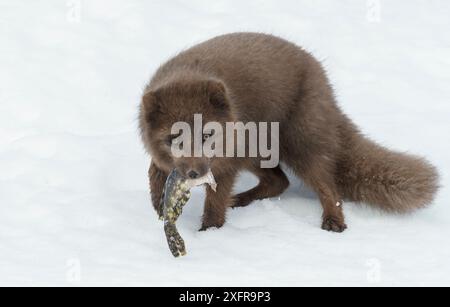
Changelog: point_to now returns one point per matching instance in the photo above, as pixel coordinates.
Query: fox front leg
(157, 181)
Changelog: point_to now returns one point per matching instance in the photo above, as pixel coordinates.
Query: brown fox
(250, 77)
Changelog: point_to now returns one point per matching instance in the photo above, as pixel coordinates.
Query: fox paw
(206, 226)
(240, 201)
(333, 224)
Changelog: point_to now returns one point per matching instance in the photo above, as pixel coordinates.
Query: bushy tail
(392, 181)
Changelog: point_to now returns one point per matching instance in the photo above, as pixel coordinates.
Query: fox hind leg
(319, 175)
(272, 183)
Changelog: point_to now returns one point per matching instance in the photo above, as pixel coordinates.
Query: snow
(74, 202)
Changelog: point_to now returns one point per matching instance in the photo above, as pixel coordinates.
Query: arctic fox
(250, 77)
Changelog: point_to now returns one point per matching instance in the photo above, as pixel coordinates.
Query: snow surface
(74, 201)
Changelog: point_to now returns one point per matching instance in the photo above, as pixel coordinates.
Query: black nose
(193, 174)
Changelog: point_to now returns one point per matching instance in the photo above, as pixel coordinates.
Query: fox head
(177, 102)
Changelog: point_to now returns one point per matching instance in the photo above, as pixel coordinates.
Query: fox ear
(151, 106)
(218, 95)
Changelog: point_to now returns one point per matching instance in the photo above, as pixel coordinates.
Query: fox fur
(250, 77)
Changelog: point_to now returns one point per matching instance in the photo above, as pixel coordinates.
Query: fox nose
(193, 174)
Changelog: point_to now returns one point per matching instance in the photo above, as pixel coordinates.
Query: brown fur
(261, 78)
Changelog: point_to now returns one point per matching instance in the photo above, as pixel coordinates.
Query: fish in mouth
(175, 196)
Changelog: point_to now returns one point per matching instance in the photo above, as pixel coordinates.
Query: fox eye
(172, 139)
(206, 136)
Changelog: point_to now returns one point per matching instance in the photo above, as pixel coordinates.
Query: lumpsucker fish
(175, 196)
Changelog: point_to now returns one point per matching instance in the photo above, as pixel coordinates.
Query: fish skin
(175, 196)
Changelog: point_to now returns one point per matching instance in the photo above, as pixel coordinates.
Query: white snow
(74, 201)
